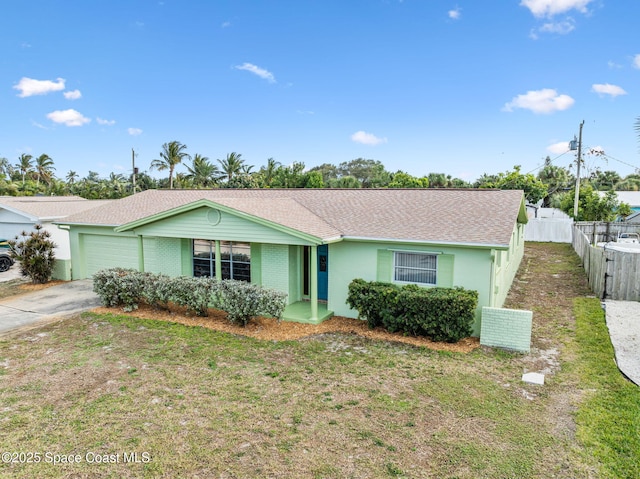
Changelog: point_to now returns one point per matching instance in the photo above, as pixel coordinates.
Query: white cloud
(134, 131)
(30, 87)
(68, 117)
(225, 24)
(636, 61)
(613, 65)
(72, 95)
(549, 8)
(561, 28)
(367, 138)
(102, 121)
(455, 14)
(546, 100)
(256, 70)
(607, 89)
(39, 125)
(558, 148)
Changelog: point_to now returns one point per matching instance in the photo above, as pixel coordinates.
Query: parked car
(5, 259)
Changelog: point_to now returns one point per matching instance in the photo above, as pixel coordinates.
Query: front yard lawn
(131, 397)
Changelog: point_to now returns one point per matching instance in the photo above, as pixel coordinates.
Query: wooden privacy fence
(612, 274)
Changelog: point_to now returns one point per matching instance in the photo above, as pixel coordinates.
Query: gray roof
(48, 208)
(464, 216)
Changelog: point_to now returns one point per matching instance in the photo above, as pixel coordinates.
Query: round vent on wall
(214, 217)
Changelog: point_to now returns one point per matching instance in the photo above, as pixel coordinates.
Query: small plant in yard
(35, 252)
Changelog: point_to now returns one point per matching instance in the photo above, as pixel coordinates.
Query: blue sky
(460, 87)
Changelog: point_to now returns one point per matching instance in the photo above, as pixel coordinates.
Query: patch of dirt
(550, 277)
(22, 285)
(273, 330)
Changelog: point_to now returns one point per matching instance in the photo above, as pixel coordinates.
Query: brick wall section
(506, 328)
(167, 257)
(275, 267)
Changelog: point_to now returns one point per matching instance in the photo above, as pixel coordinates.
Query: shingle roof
(39, 208)
(468, 216)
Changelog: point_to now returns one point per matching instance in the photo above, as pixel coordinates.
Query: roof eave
(428, 242)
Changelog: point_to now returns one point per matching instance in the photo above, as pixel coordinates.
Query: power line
(609, 157)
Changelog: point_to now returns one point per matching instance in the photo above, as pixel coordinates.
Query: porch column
(218, 261)
(313, 283)
(140, 254)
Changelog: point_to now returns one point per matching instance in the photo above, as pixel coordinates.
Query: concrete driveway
(12, 273)
(623, 321)
(48, 303)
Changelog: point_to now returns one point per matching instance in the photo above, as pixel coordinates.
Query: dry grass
(208, 403)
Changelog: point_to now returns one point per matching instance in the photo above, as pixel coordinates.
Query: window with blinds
(415, 267)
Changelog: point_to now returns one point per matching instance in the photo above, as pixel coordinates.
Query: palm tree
(202, 173)
(44, 168)
(24, 165)
(171, 155)
(232, 165)
(629, 183)
(117, 185)
(71, 177)
(4, 167)
(438, 180)
(268, 173)
(556, 178)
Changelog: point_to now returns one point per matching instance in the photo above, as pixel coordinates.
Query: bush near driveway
(240, 300)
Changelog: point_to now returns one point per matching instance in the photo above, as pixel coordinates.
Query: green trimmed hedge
(240, 300)
(441, 314)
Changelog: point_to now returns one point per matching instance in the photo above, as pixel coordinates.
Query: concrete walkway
(53, 302)
(623, 321)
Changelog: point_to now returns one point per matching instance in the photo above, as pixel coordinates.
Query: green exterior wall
(276, 257)
(62, 269)
(274, 266)
(470, 268)
(212, 224)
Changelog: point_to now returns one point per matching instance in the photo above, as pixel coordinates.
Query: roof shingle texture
(49, 207)
(484, 217)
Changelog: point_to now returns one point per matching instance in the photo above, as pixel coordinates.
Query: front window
(235, 259)
(415, 267)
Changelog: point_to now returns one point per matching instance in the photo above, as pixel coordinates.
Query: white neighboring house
(22, 213)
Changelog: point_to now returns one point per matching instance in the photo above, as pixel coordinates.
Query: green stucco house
(310, 243)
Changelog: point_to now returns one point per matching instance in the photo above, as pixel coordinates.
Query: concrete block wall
(506, 328)
(167, 256)
(275, 266)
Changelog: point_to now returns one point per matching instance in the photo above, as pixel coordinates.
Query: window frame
(429, 271)
(228, 258)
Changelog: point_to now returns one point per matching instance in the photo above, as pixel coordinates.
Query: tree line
(553, 185)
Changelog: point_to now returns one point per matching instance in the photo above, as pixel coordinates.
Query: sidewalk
(623, 321)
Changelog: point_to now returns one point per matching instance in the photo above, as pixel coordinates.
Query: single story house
(310, 243)
(633, 218)
(22, 213)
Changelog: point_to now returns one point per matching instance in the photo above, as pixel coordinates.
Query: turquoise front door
(323, 271)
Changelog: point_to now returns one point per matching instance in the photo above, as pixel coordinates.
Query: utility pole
(134, 170)
(577, 197)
